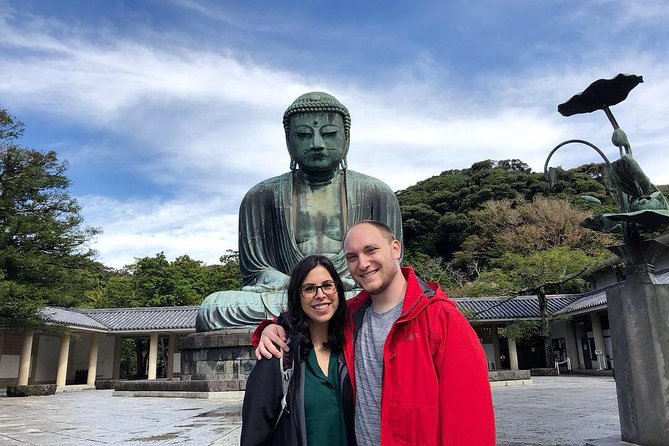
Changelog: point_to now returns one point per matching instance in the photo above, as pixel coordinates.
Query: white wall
(105, 366)
(46, 364)
(9, 366)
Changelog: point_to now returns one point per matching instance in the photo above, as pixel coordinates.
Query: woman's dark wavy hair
(298, 320)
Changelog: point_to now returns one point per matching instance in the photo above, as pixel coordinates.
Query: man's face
(317, 141)
(372, 259)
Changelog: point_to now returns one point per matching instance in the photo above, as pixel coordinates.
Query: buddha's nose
(318, 141)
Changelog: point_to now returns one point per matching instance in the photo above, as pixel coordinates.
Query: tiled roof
(71, 317)
(597, 298)
(662, 276)
(145, 318)
(183, 318)
(588, 301)
(125, 319)
(505, 308)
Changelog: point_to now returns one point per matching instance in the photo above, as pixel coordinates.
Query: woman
(319, 398)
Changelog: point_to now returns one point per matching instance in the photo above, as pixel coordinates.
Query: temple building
(85, 345)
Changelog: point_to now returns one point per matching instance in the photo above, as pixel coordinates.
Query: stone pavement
(560, 410)
(563, 410)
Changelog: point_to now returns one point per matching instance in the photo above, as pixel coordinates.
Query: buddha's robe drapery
(268, 248)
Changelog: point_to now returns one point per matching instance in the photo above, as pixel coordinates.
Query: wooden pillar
(495, 347)
(153, 355)
(118, 342)
(598, 334)
(169, 373)
(63, 356)
(93, 359)
(24, 362)
(513, 353)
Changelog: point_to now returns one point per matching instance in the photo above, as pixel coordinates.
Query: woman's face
(321, 306)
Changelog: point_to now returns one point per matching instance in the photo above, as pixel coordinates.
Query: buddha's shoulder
(362, 180)
(269, 185)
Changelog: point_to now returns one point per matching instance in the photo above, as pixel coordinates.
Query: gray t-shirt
(369, 373)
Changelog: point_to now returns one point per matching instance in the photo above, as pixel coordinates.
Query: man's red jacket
(435, 387)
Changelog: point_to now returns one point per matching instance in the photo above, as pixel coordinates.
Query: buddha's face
(317, 140)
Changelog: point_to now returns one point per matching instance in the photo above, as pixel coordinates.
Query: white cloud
(140, 228)
(206, 124)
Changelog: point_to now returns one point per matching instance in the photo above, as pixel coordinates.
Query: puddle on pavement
(162, 437)
(221, 412)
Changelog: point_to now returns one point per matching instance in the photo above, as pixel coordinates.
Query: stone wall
(225, 355)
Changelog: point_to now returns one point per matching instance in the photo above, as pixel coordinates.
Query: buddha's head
(317, 129)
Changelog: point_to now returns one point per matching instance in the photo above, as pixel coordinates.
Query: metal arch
(570, 141)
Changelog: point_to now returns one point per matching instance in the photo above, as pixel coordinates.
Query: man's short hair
(382, 227)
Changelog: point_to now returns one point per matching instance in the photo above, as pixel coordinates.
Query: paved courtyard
(552, 411)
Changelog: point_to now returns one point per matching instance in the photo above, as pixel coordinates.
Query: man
(417, 366)
(305, 211)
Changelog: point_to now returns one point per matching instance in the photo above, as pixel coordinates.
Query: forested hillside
(436, 211)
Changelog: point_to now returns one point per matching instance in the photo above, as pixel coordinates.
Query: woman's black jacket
(262, 402)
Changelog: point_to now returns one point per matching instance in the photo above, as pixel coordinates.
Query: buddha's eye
(329, 130)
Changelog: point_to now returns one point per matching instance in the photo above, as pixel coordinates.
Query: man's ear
(396, 248)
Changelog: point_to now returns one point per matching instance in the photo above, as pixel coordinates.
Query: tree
(44, 258)
(155, 281)
(434, 269)
(436, 211)
(535, 247)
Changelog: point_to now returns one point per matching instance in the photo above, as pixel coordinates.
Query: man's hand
(273, 339)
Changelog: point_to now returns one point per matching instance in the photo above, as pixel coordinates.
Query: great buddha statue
(305, 211)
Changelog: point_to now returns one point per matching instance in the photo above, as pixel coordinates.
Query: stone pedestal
(31, 390)
(218, 355)
(639, 322)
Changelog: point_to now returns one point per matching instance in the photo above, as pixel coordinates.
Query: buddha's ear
(347, 142)
(290, 152)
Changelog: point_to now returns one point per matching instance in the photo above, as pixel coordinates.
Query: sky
(168, 111)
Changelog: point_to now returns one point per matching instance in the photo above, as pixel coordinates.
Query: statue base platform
(222, 355)
(211, 363)
(175, 388)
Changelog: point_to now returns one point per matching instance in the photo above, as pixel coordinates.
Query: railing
(559, 363)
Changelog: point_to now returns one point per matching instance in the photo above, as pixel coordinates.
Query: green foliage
(519, 330)
(44, 259)
(10, 128)
(155, 281)
(522, 227)
(436, 211)
(17, 308)
(513, 273)
(436, 270)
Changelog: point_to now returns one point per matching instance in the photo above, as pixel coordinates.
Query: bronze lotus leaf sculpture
(640, 201)
(601, 93)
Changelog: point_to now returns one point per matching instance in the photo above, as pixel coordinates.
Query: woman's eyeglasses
(309, 291)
